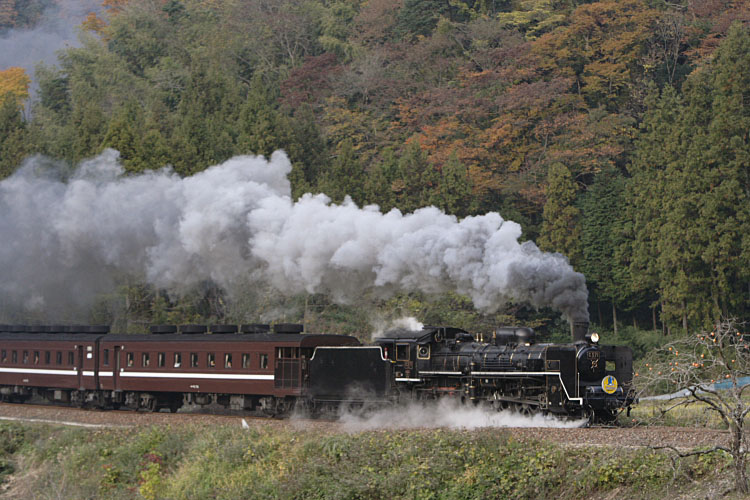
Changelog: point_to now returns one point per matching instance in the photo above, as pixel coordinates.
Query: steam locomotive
(256, 368)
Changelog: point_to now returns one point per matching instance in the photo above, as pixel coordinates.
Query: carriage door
(287, 368)
(116, 369)
(79, 365)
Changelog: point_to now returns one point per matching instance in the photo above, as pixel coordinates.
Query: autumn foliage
(14, 83)
(555, 114)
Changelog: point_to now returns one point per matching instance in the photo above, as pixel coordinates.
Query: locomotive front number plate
(609, 384)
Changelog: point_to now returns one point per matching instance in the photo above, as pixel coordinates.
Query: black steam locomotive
(507, 371)
(273, 371)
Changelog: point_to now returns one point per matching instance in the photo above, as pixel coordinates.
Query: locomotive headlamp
(594, 337)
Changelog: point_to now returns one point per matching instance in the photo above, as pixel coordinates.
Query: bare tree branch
(708, 370)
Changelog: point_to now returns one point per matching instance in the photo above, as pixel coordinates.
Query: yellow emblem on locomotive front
(609, 384)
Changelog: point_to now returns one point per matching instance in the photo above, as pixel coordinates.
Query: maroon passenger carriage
(247, 368)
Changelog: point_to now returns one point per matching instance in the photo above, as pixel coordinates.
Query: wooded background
(614, 132)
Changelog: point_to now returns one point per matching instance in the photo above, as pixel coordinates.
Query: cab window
(402, 352)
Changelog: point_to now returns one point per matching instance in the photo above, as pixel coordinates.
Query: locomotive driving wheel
(605, 417)
(525, 409)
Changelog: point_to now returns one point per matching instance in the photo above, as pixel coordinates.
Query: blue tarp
(726, 384)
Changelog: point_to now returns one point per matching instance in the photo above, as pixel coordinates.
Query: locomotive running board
(506, 374)
(529, 374)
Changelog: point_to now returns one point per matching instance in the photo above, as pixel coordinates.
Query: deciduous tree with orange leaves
(14, 82)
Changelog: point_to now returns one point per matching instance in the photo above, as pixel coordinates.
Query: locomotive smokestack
(579, 329)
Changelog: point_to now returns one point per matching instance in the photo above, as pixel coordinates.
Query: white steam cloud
(56, 29)
(448, 414)
(406, 323)
(67, 237)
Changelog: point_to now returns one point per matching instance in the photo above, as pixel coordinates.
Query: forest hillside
(614, 132)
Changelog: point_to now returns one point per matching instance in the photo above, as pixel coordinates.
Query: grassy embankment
(673, 413)
(39, 461)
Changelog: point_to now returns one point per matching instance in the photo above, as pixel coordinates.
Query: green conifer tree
(658, 145)
(560, 227)
(455, 188)
(408, 186)
(379, 182)
(724, 207)
(346, 176)
(13, 136)
(122, 135)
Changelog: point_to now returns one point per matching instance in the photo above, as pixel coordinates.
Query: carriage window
(193, 360)
(4, 356)
(106, 356)
(145, 359)
(14, 357)
(245, 361)
(227, 361)
(177, 359)
(402, 352)
(58, 357)
(129, 359)
(47, 357)
(25, 357)
(211, 359)
(287, 352)
(160, 359)
(264, 361)
(36, 357)
(71, 358)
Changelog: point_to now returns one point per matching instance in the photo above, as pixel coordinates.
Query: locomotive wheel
(526, 409)
(605, 417)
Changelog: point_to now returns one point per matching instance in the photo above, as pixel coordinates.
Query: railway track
(679, 437)
(65, 415)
